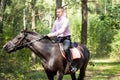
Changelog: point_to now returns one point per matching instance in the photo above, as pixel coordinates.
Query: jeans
(66, 45)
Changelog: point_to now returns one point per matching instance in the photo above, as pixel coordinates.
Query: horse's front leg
(73, 76)
(60, 75)
(49, 75)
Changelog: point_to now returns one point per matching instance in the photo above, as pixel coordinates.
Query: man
(61, 29)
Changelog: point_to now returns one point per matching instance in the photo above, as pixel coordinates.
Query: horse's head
(23, 39)
(16, 43)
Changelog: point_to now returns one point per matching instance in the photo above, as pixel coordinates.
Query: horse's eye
(19, 38)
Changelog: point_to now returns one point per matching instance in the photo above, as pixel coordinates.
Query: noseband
(12, 43)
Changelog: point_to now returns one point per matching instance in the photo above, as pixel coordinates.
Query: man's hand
(50, 35)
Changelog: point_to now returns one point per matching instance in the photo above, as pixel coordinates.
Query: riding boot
(71, 66)
(68, 57)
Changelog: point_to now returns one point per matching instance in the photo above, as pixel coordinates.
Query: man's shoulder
(65, 18)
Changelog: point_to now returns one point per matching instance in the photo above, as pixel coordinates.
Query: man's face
(59, 12)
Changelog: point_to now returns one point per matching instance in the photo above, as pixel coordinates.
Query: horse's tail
(86, 53)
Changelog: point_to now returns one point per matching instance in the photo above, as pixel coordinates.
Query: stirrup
(73, 69)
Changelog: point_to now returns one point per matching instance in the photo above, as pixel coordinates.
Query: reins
(28, 42)
(34, 40)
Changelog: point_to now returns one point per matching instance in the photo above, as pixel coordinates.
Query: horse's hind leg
(82, 72)
(73, 76)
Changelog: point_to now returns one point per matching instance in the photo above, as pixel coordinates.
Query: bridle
(26, 44)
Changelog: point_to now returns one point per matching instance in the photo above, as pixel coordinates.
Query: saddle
(75, 52)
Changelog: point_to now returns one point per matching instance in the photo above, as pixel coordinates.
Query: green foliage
(103, 36)
(13, 66)
(115, 53)
(75, 28)
(43, 27)
(102, 30)
(16, 66)
(103, 70)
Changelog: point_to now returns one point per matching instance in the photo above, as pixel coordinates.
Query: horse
(50, 54)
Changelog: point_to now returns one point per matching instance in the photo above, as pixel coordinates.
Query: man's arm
(63, 28)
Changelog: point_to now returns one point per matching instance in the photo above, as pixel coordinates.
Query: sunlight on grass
(104, 60)
(101, 70)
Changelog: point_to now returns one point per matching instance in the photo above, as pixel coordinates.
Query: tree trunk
(97, 8)
(2, 9)
(1, 24)
(58, 4)
(84, 22)
(33, 27)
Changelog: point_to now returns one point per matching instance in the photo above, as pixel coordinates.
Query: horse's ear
(24, 29)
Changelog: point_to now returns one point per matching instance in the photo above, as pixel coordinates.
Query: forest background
(103, 29)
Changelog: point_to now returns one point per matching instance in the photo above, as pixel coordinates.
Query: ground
(97, 69)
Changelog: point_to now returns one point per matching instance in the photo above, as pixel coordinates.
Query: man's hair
(60, 8)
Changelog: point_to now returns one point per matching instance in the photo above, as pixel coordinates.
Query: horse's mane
(37, 34)
(33, 33)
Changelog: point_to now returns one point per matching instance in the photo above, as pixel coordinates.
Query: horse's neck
(48, 52)
(41, 48)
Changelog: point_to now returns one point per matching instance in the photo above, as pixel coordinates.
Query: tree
(2, 9)
(84, 22)
(33, 26)
(58, 4)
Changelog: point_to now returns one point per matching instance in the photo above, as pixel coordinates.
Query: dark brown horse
(49, 53)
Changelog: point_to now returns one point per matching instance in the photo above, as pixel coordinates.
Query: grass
(101, 70)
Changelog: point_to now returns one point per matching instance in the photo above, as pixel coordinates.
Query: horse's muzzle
(8, 47)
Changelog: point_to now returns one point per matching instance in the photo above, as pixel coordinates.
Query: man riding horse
(61, 29)
(50, 54)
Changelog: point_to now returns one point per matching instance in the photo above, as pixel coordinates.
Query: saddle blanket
(75, 53)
